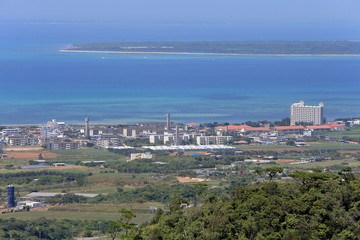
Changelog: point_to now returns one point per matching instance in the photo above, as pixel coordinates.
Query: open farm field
(349, 151)
(321, 145)
(23, 148)
(333, 146)
(33, 215)
(87, 154)
(280, 161)
(350, 132)
(88, 212)
(330, 164)
(30, 155)
(274, 148)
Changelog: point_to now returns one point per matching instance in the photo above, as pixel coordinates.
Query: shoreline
(199, 53)
(69, 124)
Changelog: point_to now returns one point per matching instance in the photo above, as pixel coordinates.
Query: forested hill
(226, 47)
(318, 206)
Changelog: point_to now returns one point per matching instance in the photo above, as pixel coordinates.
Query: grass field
(321, 145)
(265, 147)
(85, 211)
(350, 132)
(73, 215)
(333, 146)
(88, 154)
(331, 164)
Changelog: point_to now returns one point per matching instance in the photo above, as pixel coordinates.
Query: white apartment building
(53, 129)
(63, 145)
(106, 143)
(22, 141)
(166, 139)
(301, 113)
(170, 138)
(212, 140)
(10, 131)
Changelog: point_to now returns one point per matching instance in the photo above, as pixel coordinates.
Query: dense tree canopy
(318, 206)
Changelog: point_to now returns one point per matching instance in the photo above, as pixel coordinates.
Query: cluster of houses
(277, 134)
(52, 136)
(307, 130)
(58, 135)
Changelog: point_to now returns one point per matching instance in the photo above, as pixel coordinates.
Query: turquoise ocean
(39, 83)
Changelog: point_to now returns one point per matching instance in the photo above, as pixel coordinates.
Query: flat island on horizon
(223, 47)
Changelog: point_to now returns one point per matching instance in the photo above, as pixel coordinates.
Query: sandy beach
(196, 53)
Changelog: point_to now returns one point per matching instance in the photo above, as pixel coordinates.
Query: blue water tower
(11, 196)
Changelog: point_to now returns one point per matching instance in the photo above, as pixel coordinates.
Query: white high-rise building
(301, 113)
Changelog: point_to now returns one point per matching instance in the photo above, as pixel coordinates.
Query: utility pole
(99, 229)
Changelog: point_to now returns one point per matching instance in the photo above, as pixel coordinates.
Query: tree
(199, 189)
(124, 223)
(346, 174)
(271, 172)
(176, 202)
(115, 228)
(126, 217)
(290, 142)
(306, 178)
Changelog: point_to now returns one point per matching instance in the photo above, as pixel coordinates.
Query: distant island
(224, 47)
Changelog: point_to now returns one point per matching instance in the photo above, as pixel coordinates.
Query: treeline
(185, 163)
(50, 229)
(67, 198)
(153, 193)
(43, 177)
(317, 206)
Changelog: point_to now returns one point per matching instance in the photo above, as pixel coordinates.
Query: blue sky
(182, 11)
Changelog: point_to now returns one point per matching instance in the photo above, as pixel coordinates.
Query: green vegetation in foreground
(318, 206)
(226, 47)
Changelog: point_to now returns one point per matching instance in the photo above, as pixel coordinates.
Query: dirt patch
(27, 149)
(285, 161)
(67, 167)
(314, 143)
(131, 186)
(39, 209)
(31, 155)
(189, 179)
(348, 151)
(275, 149)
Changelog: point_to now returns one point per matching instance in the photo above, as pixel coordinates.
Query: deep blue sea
(39, 83)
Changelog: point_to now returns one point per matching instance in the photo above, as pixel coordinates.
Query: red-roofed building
(257, 129)
(319, 128)
(335, 127)
(193, 125)
(232, 127)
(242, 129)
(331, 126)
(288, 129)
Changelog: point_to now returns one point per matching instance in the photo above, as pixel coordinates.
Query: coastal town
(87, 167)
(55, 135)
